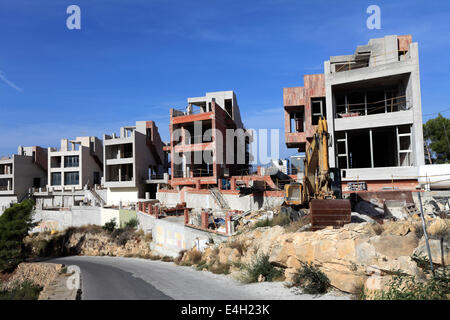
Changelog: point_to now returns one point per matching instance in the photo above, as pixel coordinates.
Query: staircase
(218, 198)
(97, 197)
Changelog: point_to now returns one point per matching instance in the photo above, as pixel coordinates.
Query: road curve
(118, 278)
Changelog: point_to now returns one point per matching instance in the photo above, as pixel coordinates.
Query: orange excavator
(320, 189)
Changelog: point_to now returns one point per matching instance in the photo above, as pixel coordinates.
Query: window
(71, 161)
(56, 179)
(318, 109)
(71, 178)
(229, 107)
(297, 121)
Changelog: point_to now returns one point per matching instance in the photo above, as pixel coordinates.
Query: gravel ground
(183, 283)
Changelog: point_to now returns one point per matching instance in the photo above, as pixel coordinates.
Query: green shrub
(261, 266)
(311, 279)
(132, 223)
(167, 259)
(262, 224)
(22, 291)
(111, 225)
(201, 265)
(15, 223)
(281, 219)
(405, 287)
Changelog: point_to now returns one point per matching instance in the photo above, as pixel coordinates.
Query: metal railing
(181, 113)
(195, 173)
(399, 102)
(158, 176)
(347, 66)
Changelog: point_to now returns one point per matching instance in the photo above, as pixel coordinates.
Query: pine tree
(15, 223)
(436, 134)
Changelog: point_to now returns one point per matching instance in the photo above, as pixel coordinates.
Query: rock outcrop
(353, 256)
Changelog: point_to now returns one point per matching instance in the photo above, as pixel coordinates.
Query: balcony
(158, 178)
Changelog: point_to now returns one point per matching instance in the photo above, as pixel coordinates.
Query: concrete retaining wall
(5, 202)
(78, 216)
(169, 237)
(59, 220)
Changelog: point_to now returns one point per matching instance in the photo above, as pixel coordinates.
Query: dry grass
(294, 226)
(148, 237)
(196, 256)
(377, 228)
(178, 259)
(89, 228)
(239, 245)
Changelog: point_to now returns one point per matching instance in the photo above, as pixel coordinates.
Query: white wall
(126, 195)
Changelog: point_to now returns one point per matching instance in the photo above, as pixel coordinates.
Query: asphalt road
(103, 282)
(117, 278)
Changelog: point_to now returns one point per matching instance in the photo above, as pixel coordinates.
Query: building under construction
(371, 100)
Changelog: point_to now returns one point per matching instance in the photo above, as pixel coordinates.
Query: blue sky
(135, 59)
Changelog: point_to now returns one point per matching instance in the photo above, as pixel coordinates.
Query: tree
(15, 223)
(436, 137)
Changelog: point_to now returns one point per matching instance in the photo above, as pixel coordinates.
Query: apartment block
(371, 100)
(20, 172)
(76, 165)
(198, 141)
(131, 159)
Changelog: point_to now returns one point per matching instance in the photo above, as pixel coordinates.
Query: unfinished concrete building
(19, 173)
(134, 162)
(200, 132)
(76, 165)
(371, 100)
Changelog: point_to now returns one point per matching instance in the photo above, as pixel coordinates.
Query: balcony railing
(158, 176)
(181, 113)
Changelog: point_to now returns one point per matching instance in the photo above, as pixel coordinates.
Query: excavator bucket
(329, 212)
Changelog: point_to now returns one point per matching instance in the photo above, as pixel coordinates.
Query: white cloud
(8, 82)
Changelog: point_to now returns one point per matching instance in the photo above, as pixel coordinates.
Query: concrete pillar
(233, 183)
(9, 184)
(205, 220)
(64, 144)
(228, 223)
(186, 216)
